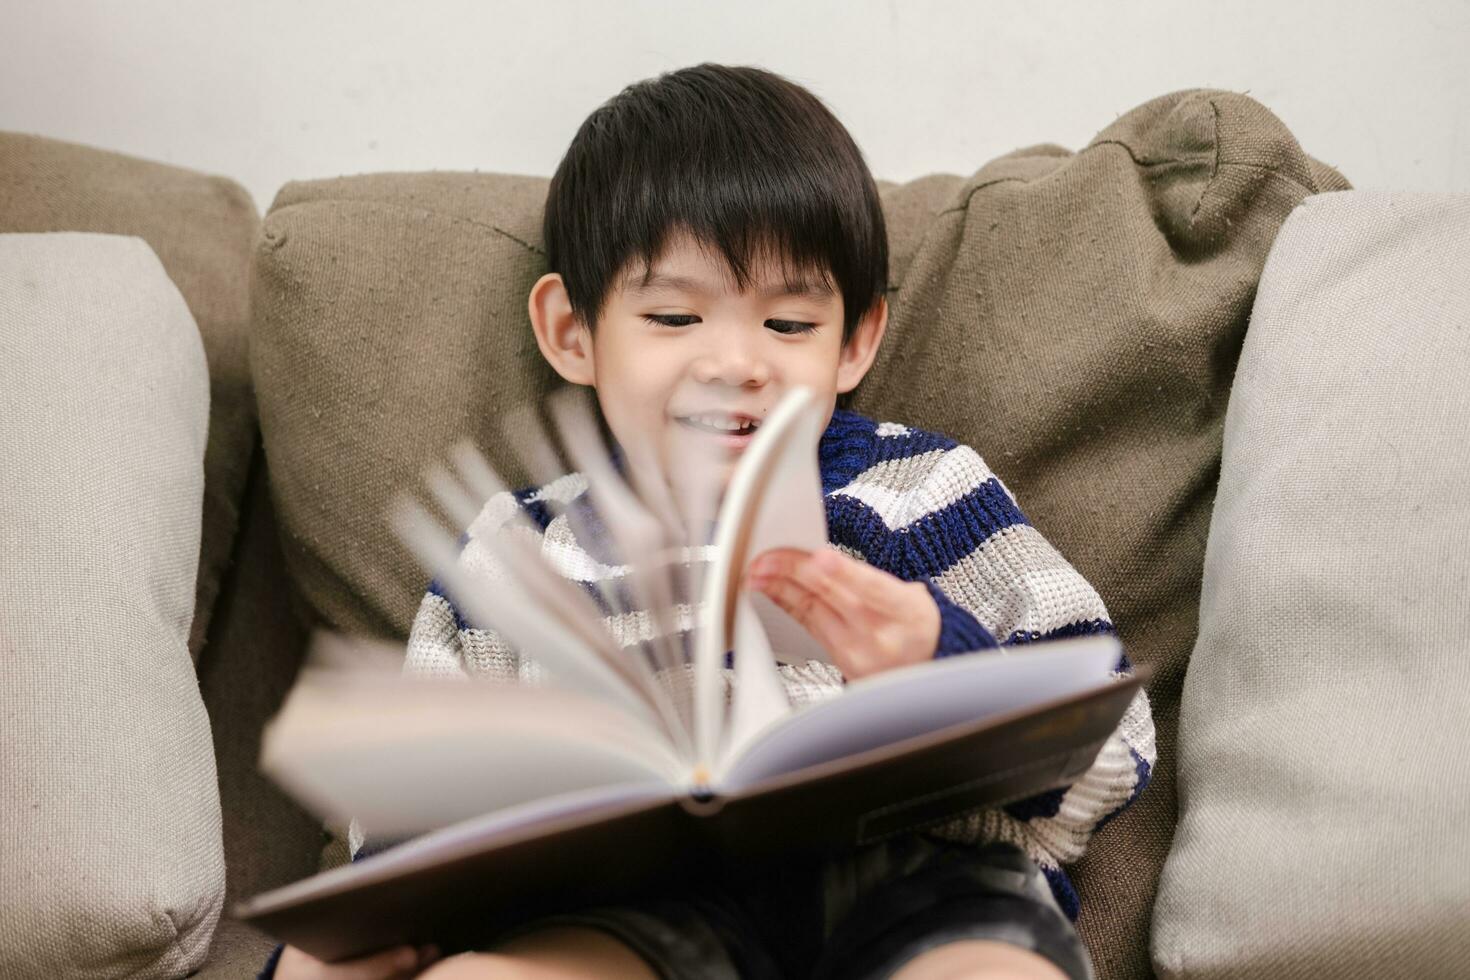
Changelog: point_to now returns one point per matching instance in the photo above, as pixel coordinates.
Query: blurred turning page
(405, 756)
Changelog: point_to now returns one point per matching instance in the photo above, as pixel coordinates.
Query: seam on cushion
(1214, 165)
(394, 206)
(1136, 159)
(965, 205)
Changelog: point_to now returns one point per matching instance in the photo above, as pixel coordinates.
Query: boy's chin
(699, 478)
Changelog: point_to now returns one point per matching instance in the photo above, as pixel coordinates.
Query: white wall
(267, 91)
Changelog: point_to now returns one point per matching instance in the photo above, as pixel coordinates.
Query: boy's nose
(732, 364)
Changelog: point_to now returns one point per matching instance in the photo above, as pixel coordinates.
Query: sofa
(1225, 384)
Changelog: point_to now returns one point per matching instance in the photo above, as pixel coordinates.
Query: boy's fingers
(811, 611)
(392, 962)
(812, 575)
(869, 584)
(774, 561)
(803, 568)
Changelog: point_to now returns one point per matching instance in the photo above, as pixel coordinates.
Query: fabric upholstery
(256, 643)
(1323, 785)
(201, 227)
(111, 860)
(1075, 317)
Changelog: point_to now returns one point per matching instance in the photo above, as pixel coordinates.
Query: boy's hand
(868, 619)
(389, 964)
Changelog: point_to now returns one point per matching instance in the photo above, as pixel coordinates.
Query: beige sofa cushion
(1074, 316)
(201, 227)
(1323, 781)
(111, 861)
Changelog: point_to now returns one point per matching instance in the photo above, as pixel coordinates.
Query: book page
(761, 696)
(894, 705)
(774, 500)
(791, 643)
(406, 755)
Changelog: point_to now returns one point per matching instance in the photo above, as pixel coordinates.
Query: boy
(714, 238)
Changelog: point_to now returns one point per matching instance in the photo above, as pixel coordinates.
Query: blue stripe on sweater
(1062, 890)
(437, 588)
(1143, 773)
(940, 539)
(1087, 627)
(538, 512)
(1046, 804)
(911, 443)
(853, 524)
(268, 971)
(845, 449)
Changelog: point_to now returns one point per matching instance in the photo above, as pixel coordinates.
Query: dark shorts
(859, 916)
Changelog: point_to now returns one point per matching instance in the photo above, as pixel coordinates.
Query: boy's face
(686, 366)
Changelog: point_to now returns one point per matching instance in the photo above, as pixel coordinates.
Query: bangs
(783, 264)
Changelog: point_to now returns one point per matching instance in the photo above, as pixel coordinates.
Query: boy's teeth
(719, 422)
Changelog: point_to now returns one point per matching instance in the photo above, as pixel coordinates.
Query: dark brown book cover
(461, 896)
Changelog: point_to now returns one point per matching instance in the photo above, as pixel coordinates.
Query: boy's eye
(685, 319)
(662, 319)
(792, 326)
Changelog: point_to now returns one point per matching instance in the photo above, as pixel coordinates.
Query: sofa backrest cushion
(111, 861)
(1324, 787)
(201, 227)
(1075, 316)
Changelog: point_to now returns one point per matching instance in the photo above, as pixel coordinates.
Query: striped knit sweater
(914, 503)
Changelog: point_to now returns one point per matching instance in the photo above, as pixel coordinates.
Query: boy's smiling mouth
(733, 429)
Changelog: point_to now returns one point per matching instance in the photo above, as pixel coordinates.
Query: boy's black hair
(751, 163)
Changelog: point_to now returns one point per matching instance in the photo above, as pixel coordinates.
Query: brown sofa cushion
(201, 228)
(390, 316)
(1075, 316)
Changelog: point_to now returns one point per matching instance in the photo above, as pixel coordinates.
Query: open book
(610, 781)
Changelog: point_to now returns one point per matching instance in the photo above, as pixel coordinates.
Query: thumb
(391, 962)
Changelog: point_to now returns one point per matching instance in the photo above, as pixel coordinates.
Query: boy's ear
(862, 347)
(565, 341)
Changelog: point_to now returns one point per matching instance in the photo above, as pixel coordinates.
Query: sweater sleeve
(959, 630)
(441, 643)
(268, 971)
(982, 559)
